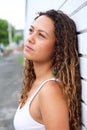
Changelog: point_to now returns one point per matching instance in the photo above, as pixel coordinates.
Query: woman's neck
(42, 71)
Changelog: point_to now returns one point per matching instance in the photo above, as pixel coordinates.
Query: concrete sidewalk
(10, 84)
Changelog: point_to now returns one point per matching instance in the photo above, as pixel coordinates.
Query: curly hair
(65, 64)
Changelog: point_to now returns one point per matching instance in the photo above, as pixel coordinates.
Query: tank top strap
(36, 92)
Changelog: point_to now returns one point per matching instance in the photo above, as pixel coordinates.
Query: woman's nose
(31, 38)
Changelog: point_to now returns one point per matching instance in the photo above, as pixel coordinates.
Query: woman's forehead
(44, 22)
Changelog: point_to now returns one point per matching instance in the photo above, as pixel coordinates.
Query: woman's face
(39, 46)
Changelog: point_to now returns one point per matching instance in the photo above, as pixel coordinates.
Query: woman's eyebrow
(32, 26)
(40, 30)
(43, 31)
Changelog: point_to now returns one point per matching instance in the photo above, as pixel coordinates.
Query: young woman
(51, 94)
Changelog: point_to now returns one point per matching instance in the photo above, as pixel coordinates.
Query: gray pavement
(10, 84)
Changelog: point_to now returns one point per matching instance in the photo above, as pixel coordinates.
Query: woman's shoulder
(52, 89)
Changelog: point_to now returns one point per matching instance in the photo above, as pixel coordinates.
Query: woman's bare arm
(53, 107)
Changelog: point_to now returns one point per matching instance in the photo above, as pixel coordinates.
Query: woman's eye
(30, 31)
(41, 35)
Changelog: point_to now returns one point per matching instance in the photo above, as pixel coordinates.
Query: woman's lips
(28, 48)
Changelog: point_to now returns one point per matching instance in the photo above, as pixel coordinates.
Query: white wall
(77, 10)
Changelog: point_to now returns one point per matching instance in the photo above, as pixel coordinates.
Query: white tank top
(23, 119)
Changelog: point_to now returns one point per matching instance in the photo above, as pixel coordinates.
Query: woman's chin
(27, 55)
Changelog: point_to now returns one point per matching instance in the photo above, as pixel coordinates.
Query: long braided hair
(65, 64)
